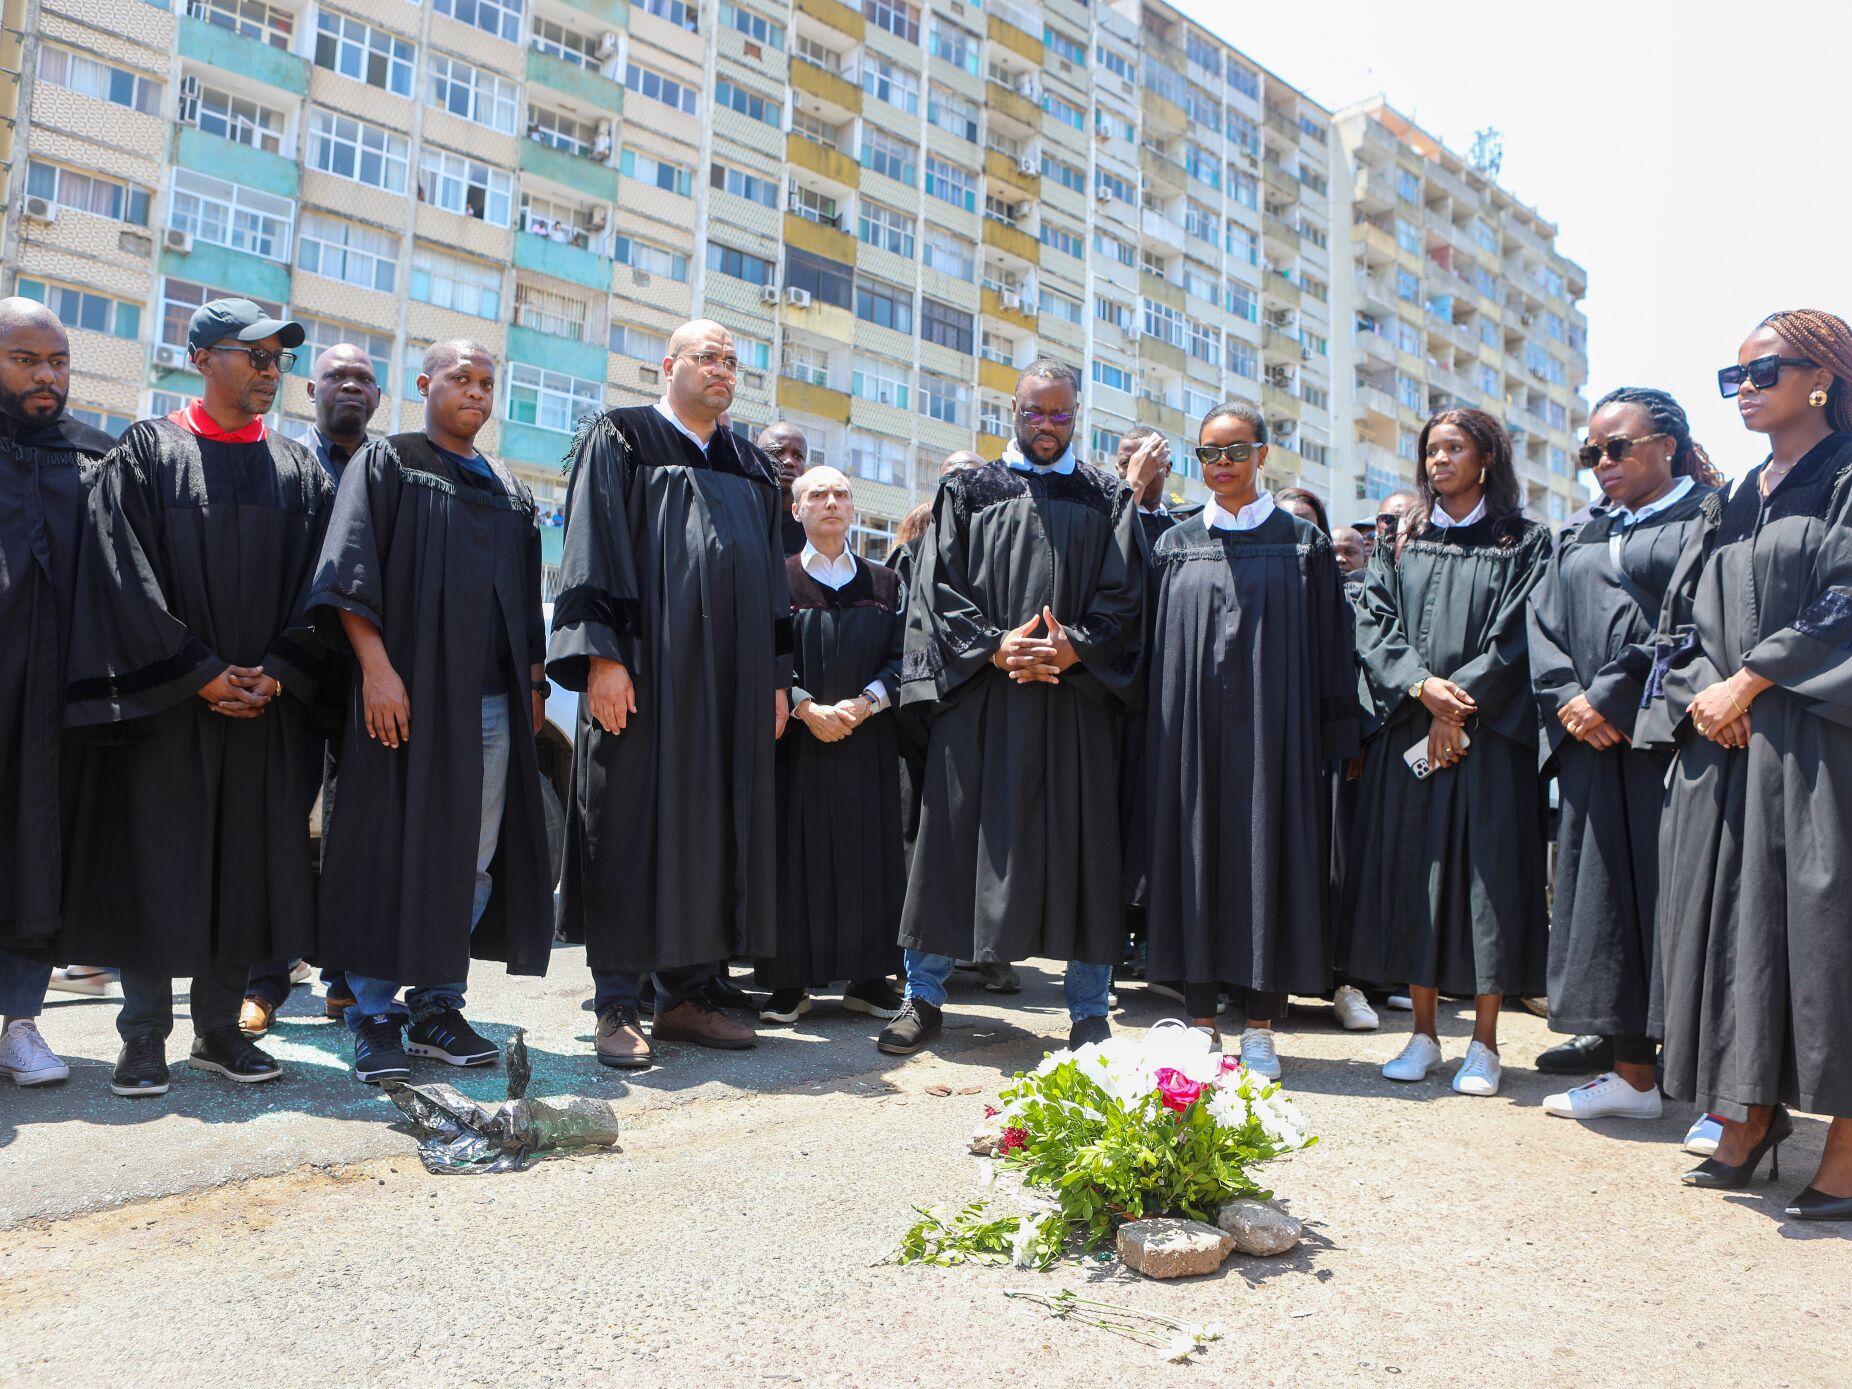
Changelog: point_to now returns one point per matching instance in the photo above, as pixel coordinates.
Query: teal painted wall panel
(574, 81)
(585, 360)
(221, 48)
(231, 270)
(587, 176)
(227, 159)
(615, 13)
(562, 262)
(533, 447)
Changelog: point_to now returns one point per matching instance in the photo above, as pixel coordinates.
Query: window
(1408, 446)
(1319, 454)
(252, 18)
(1151, 262)
(753, 26)
(816, 207)
(452, 282)
(763, 191)
(749, 103)
(896, 16)
(1407, 336)
(1112, 311)
(808, 50)
(894, 85)
(949, 111)
(741, 265)
(347, 251)
(660, 173)
(104, 81)
(949, 255)
(886, 227)
(879, 380)
(1197, 402)
(1064, 111)
(1242, 301)
(1553, 326)
(649, 258)
(550, 399)
(1559, 461)
(1062, 306)
(1308, 126)
(1314, 180)
(1310, 231)
(628, 340)
(1116, 126)
(356, 50)
(1198, 221)
(1408, 391)
(1243, 360)
(472, 93)
(1063, 173)
(1488, 380)
(1205, 342)
(1314, 288)
(501, 18)
(1115, 62)
(1407, 235)
(1407, 286)
(1244, 188)
(829, 281)
(755, 354)
(949, 183)
(946, 326)
(82, 308)
(112, 425)
(808, 364)
(180, 297)
(656, 87)
(550, 312)
(1117, 377)
(87, 193)
(1163, 322)
(1408, 185)
(814, 128)
(562, 132)
(1114, 249)
(945, 400)
(235, 118)
(1316, 342)
(674, 11)
(1484, 237)
(1203, 52)
(411, 367)
(568, 45)
(1243, 133)
(349, 149)
(954, 45)
(874, 537)
(1074, 50)
(1058, 238)
(884, 305)
(878, 459)
(1316, 396)
(1118, 187)
(1202, 166)
(1489, 334)
(1243, 80)
(226, 214)
(319, 335)
(466, 186)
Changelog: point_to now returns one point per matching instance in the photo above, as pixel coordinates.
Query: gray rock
(1259, 1227)
(1165, 1248)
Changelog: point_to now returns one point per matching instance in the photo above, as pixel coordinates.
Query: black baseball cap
(241, 319)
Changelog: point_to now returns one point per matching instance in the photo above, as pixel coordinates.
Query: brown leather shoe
(621, 1042)
(254, 1017)
(694, 1021)
(336, 1007)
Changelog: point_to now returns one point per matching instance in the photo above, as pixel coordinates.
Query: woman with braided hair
(1756, 669)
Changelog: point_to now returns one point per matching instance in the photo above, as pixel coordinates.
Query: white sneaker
(1167, 990)
(25, 1057)
(1402, 1003)
(1704, 1136)
(1605, 1097)
(82, 979)
(1421, 1055)
(1353, 1010)
(1479, 1073)
(1258, 1053)
(299, 973)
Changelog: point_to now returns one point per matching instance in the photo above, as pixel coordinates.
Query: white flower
(1204, 1332)
(1229, 1107)
(1181, 1348)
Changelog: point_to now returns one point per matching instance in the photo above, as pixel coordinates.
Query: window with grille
(252, 18)
(550, 312)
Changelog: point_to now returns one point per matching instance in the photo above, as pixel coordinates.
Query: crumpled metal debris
(456, 1135)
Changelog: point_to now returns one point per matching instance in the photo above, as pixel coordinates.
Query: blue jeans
(22, 986)
(1085, 985)
(379, 997)
(673, 987)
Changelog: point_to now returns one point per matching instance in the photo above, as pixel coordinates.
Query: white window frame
(217, 212)
(331, 134)
(558, 400)
(445, 181)
(377, 266)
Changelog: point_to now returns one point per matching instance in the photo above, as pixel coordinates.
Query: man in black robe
(674, 619)
(784, 443)
(439, 850)
(345, 390)
(45, 456)
(190, 644)
(1025, 633)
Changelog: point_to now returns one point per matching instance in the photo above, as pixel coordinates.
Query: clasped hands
(240, 692)
(1451, 707)
(1721, 711)
(1587, 724)
(831, 723)
(1026, 656)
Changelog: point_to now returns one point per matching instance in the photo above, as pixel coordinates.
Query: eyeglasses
(715, 361)
(1387, 521)
(1061, 419)
(1616, 448)
(262, 358)
(1762, 373)
(1234, 453)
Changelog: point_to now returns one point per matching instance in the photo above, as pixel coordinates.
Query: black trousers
(1201, 999)
(148, 1001)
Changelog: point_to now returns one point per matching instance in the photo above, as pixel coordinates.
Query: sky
(1696, 157)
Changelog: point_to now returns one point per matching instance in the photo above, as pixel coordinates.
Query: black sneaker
(141, 1068)
(785, 1005)
(875, 997)
(722, 992)
(1000, 977)
(233, 1055)
(449, 1038)
(1088, 1030)
(379, 1050)
(918, 1024)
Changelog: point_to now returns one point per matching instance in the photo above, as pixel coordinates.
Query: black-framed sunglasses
(261, 357)
(1762, 373)
(1616, 448)
(1215, 453)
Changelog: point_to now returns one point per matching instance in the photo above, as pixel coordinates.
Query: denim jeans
(1085, 985)
(270, 982)
(378, 997)
(673, 986)
(22, 986)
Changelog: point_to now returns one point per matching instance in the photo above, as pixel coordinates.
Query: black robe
(1018, 851)
(1134, 829)
(672, 565)
(1253, 694)
(189, 836)
(1591, 633)
(1756, 875)
(1446, 886)
(433, 557)
(44, 469)
(841, 873)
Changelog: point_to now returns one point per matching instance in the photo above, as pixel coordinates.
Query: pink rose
(1178, 1090)
(1230, 1063)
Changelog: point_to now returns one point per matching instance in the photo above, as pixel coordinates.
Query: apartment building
(894, 206)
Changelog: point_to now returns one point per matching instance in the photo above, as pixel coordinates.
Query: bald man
(784, 443)
(45, 461)
(674, 620)
(963, 458)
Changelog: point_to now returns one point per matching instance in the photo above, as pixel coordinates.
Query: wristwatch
(1414, 690)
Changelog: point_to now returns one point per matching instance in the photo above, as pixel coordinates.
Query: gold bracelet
(1734, 700)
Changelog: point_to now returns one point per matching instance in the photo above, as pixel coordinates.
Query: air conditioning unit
(649, 374)
(601, 142)
(1102, 194)
(1025, 86)
(177, 241)
(797, 298)
(601, 217)
(755, 380)
(640, 278)
(1011, 299)
(41, 210)
(607, 45)
(1132, 332)
(769, 295)
(1027, 165)
(169, 357)
(1102, 134)
(1021, 210)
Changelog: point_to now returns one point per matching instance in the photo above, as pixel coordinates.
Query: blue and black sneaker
(448, 1037)
(379, 1050)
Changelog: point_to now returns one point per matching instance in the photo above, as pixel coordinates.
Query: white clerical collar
(835, 573)
(1440, 517)
(1159, 510)
(1219, 519)
(1624, 517)
(663, 409)
(1012, 456)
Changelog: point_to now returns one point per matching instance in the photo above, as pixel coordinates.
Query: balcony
(808, 398)
(1372, 400)
(823, 161)
(562, 261)
(819, 238)
(579, 172)
(600, 93)
(247, 57)
(1016, 28)
(991, 302)
(1281, 231)
(228, 159)
(1160, 228)
(1010, 240)
(1007, 169)
(1375, 347)
(1004, 101)
(835, 92)
(839, 17)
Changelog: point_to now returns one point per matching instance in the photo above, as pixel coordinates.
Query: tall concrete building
(894, 206)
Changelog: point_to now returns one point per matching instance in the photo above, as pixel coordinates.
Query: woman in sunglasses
(1447, 892)
(1252, 694)
(1592, 626)
(1755, 872)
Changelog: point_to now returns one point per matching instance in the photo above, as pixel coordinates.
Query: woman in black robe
(1252, 697)
(1592, 624)
(1447, 893)
(1757, 679)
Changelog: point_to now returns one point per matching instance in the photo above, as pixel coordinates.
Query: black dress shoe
(1817, 1205)
(141, 1069)
(918, 1024)
(722, 992)
(1088, 1030)
(1579, 1056)
(234, 1056)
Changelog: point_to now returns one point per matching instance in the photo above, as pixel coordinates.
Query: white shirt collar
(1633, 518)
(1159, 510)
(1439, 517)
(1012, 456)
(1216, 517)
(663, 408)
(833, 573)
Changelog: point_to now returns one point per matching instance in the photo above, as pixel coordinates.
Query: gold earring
(1482, 477)
(1817, 399)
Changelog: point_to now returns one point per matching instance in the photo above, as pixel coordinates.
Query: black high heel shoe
(1722, 1176)
(1817, 1205)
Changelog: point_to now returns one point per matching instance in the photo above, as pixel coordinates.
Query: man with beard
(787, 447)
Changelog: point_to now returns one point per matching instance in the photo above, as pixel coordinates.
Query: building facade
(894, 206)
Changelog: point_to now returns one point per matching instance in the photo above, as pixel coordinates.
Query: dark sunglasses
(1762, 373)
(1387, 520)
(1616, 448)
(1061, 419)
(263, 357)
(1215, 453)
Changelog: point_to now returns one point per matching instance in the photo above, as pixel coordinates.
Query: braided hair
(1503, 499)
(1826, 339)
(1689, 458)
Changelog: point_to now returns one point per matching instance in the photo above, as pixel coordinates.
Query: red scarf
(193, 418)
